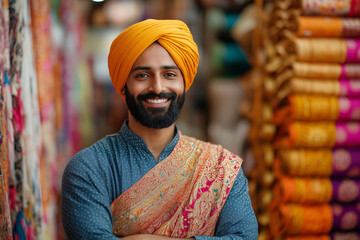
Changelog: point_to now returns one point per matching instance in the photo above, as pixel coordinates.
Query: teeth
(161, 100)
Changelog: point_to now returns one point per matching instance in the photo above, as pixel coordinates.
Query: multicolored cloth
(180, 197)
(325, 70)
(319, 162)
(316, 108)
(318, 134)
(316, 190)
(331, 236)
(5, 220)
(294, 219)
(349, 8)
(320, 87)
(326, 27)
(321, 50)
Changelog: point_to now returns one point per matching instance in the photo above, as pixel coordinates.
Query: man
(149, 181)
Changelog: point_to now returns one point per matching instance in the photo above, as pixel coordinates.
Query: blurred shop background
(277, 84)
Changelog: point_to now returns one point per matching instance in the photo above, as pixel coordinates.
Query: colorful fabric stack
(5, 219)
(256, 107)
(315, 89)
(31, 157)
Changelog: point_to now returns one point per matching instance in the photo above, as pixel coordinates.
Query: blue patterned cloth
(97, 175)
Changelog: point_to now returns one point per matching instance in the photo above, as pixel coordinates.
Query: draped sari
(181, 196)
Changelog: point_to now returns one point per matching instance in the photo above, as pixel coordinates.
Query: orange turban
(173, 35)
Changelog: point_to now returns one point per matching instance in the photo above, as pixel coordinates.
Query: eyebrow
(149, 68)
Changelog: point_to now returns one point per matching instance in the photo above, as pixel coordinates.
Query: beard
(155, 117)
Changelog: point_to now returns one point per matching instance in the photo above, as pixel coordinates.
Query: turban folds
(173, 35)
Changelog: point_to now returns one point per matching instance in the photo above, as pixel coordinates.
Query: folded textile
(321, 50)
(325, 87)
(331, 236)
(349, 8)
(294, 219)
(316, 190)
(318, 134)
(325, 70)
(318, 162)
(316, 108)
(305, 26)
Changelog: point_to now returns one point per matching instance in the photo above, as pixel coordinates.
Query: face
(155, 90)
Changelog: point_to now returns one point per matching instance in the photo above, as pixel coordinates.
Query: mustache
(144, 96)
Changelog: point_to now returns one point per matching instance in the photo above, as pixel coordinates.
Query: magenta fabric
(346, 162)
(349, 87)
(355, 8)
(346, 217)
(345, 190)
(349, 109)
(351, 28)
(350, 70)
(353, 50)
(347, 134)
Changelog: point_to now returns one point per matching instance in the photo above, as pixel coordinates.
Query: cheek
(177, 86)
(135, 89)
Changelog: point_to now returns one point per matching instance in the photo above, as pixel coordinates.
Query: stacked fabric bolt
(262, 130)
(315, 92)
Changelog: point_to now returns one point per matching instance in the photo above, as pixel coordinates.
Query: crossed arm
(86, 212)
(150, 237)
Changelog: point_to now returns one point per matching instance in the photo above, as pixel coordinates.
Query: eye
(142, 75)
(170, 74)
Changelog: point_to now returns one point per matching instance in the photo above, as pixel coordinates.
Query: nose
(157, 84)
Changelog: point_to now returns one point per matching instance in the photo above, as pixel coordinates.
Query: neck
(156, 139)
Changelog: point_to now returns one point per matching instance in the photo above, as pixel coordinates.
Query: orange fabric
(306, 162)
(315, 237)
(320, 26)
(303, 190)
(306, 134)
(325, 50)
(307, 107)
(292, 219)
(173, 35)
(318, 70)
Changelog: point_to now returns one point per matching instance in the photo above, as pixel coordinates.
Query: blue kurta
(97, 175)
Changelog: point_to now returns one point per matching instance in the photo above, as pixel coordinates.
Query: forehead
(154, 55)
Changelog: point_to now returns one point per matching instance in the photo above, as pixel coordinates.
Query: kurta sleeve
(237, 219)
(85, 206)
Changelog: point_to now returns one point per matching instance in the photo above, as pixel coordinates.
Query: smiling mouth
(157, 100)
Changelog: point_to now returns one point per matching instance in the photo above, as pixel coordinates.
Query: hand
(150, 237)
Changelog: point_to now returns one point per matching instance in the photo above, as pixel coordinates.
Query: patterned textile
(331, 236)
(5, 220)
(318, 134)
(341, 87)
(349, 8)
(316, 190)
(31, 142)
(41, 27)
(181, 196)
(339, 162)
(326, 70)
(316, 108)
(293, 219)
(313, 85)
(14, 109)
(321, 50)
(326, 27)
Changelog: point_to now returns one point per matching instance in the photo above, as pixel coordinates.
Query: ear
(123, 91)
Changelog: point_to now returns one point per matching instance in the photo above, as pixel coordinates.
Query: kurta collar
(139, 142)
